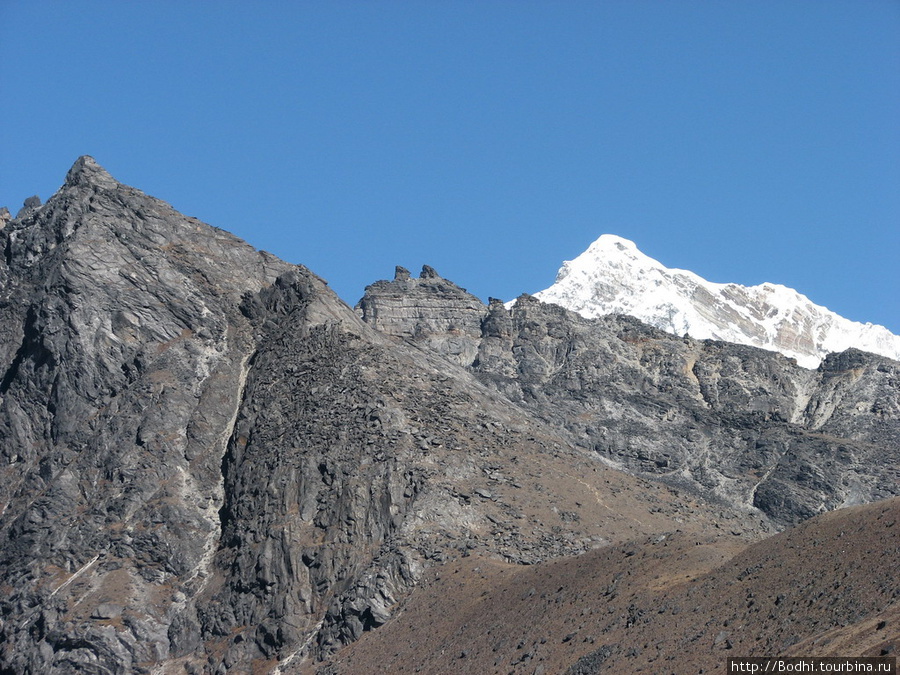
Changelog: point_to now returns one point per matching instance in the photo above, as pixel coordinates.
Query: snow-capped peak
(613, 276)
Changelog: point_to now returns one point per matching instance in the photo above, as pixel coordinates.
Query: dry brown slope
(680, 604)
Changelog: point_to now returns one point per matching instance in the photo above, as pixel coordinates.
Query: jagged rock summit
(613, 276)
(431, 308)
(86, 171)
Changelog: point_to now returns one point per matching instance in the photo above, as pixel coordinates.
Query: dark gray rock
(209, 462)
(123, 353)
(30, 206)
(343, 454)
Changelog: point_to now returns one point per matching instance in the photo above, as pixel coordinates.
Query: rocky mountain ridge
(613, 276)
(211, 464)
(728, 422)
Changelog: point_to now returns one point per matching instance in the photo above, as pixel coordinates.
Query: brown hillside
(679, 604)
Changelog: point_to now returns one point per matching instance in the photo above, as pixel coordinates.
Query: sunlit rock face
(614, 277)
(429, 309)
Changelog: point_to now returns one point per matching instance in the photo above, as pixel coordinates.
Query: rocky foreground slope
(211, 464)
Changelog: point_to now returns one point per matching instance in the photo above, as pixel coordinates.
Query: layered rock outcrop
(430, 310)
(124, 356)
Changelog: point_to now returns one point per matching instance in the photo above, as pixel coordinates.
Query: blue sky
(747, 140)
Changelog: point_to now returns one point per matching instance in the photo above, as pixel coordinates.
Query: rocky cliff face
(124, 357)
(430, 310)
(739, 425)
(211, 464)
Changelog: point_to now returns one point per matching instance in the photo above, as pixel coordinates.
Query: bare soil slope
(675, 604)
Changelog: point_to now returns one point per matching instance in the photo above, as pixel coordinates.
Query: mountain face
(744, 426)
(614, 277)
(211, 464)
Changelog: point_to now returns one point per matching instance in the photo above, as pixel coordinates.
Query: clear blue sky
(746, 140)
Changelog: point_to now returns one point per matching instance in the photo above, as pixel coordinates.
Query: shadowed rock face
(210, 463)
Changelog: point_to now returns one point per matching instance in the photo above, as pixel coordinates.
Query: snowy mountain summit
(614, 277)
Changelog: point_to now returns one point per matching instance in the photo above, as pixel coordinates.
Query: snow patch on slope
(614, 277)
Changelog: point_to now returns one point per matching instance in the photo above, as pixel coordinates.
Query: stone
(107, 610)
(430, 309)
(31, 204)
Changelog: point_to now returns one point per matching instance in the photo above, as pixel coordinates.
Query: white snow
(613, 276)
